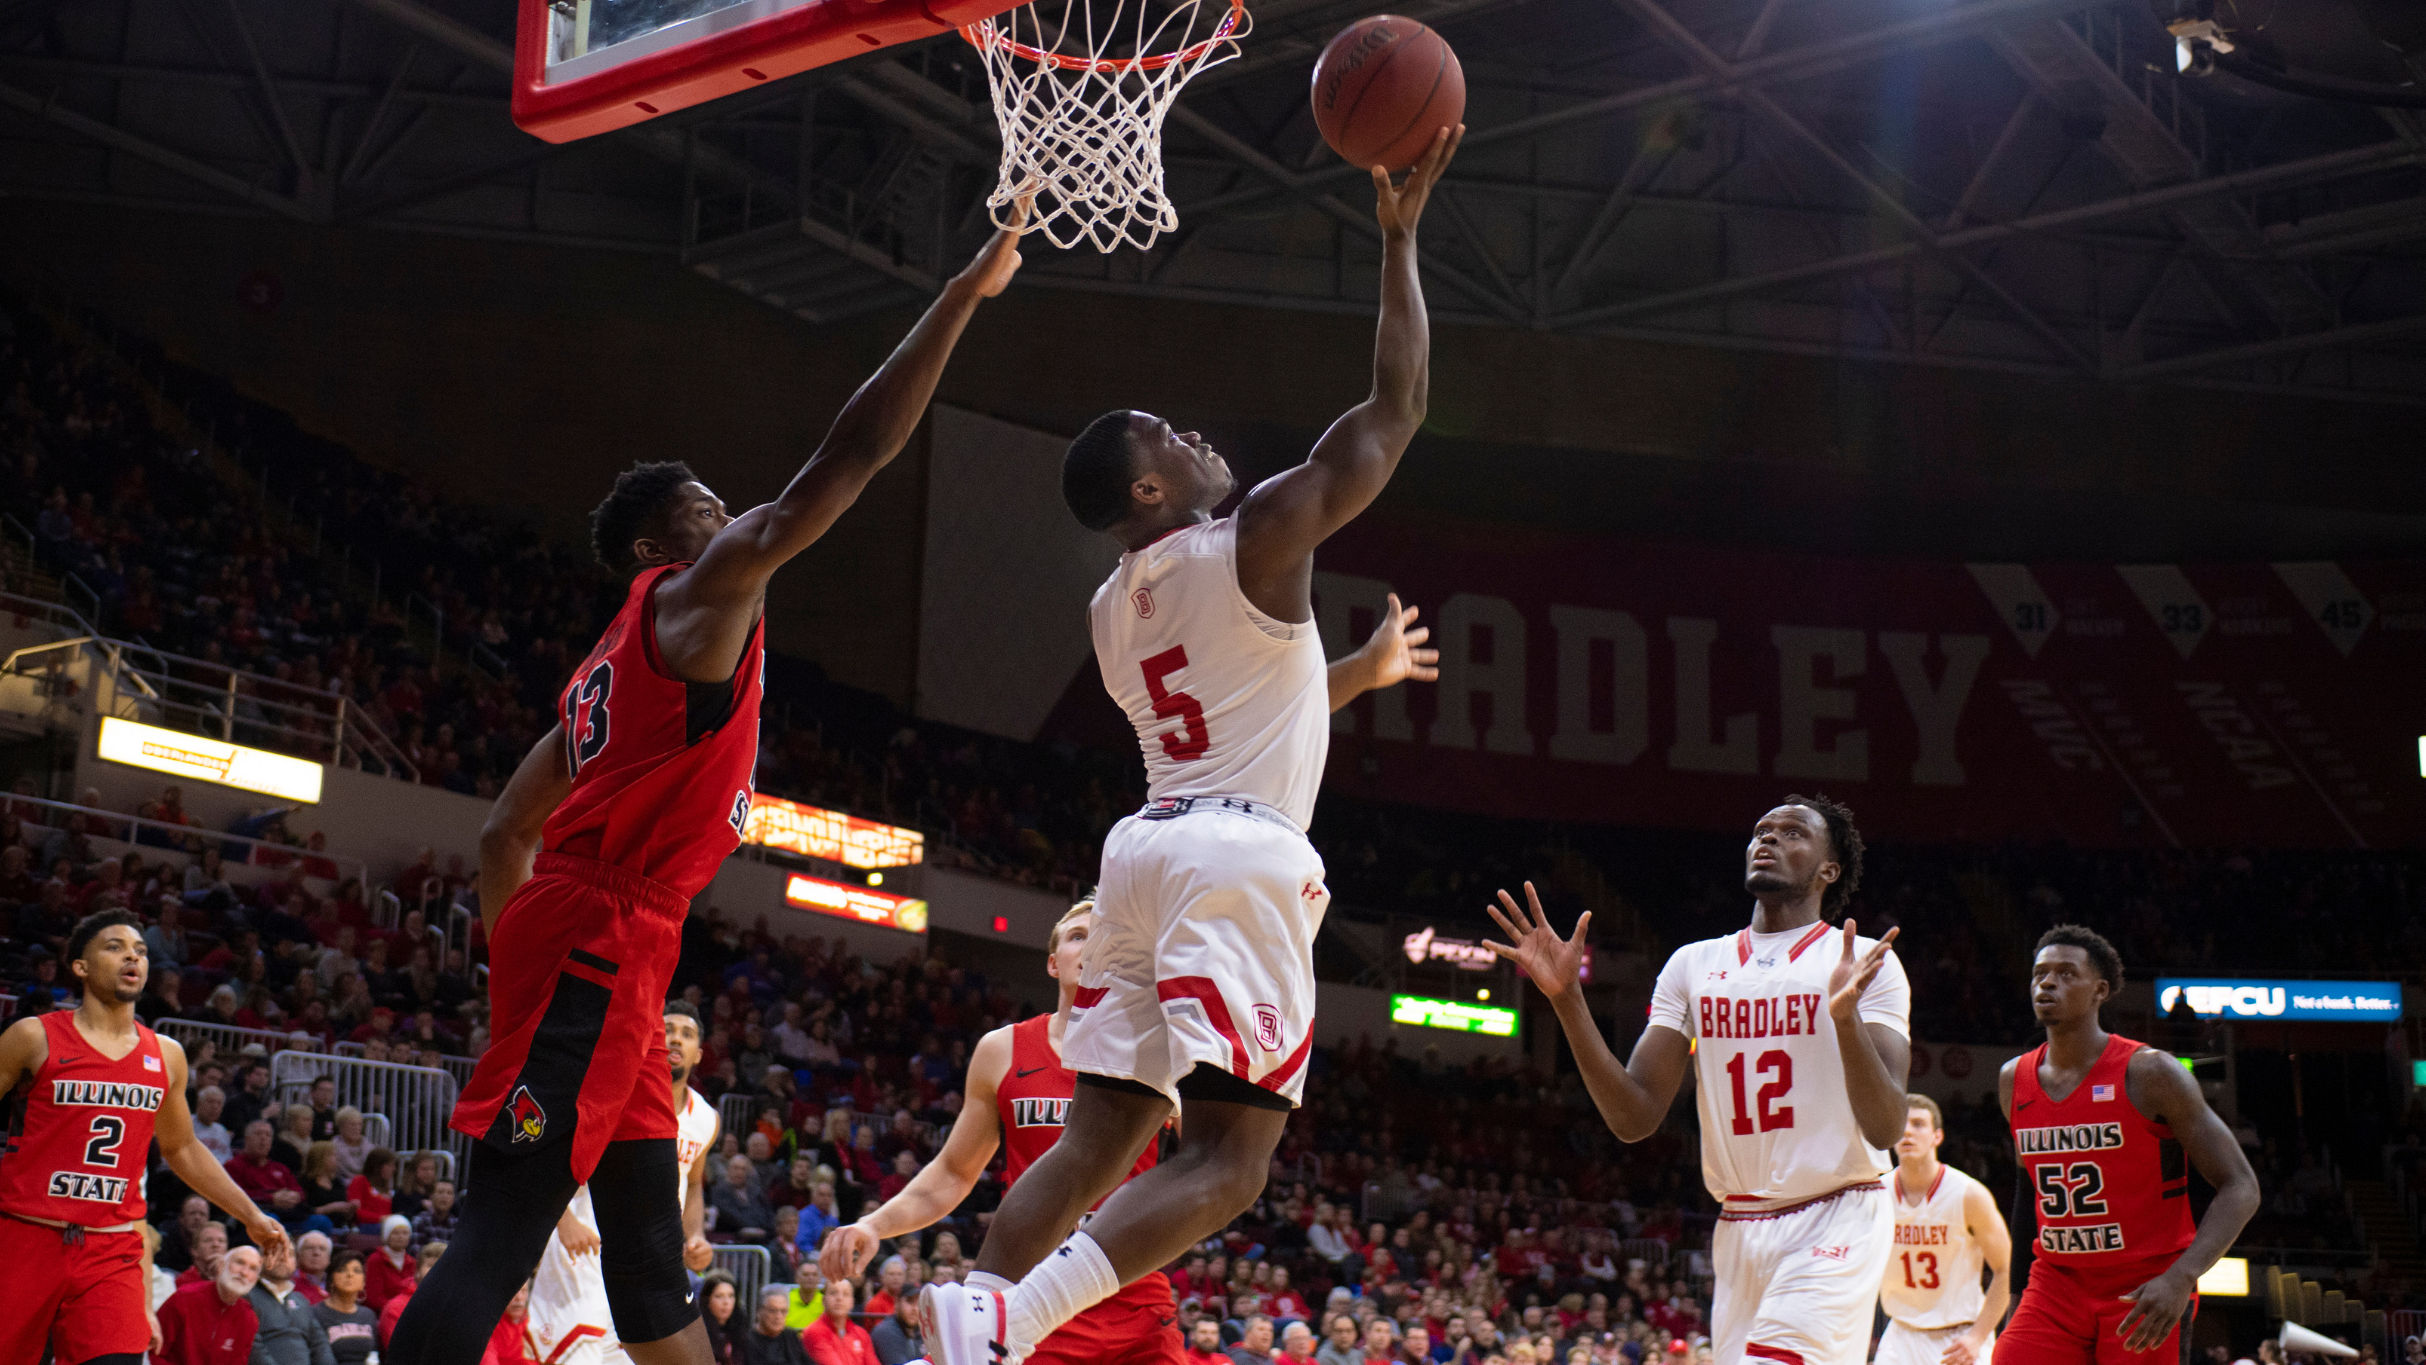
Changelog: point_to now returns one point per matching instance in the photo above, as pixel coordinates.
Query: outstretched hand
(999, 259)
(1848, 979)
(1393, 652)
(1553, 962)
(1399, 206)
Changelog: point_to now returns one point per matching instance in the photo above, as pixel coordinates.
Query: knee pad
(634, 1193)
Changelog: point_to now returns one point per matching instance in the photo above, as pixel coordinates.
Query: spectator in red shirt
(374, 1191)
(209, 1322)
(270, 1183)
(834, 1339)
(1284, 1303)
(430, 1252)
(905, 1166)
(890, 1277)
(391, 1272)
(208, 1249)
(1204, 1344)
(510, 1343)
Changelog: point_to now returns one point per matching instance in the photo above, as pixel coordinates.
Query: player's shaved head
(1096, 470)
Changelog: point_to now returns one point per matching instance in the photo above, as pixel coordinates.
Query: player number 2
(2071, 1191)
(1928, 1276)
(108, 1131)
(1189, 741)
(1782, 1116)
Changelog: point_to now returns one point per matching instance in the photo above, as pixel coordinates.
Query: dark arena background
(2003, 416)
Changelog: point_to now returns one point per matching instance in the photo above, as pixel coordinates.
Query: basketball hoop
(1081, 104)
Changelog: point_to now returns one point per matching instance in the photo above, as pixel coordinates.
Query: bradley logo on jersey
(1923, 1235)
(107, 1095)
(1038, 1113)
(1759, 1017)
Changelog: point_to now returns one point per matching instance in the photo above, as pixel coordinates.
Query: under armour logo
(1311, 891)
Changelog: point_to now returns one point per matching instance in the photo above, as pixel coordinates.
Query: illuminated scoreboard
(1454, 1015)
(844, 901)
(208, 760)
(814, 832)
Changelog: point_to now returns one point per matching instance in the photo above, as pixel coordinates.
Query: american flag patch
(2101, 1092)
(151, 1064)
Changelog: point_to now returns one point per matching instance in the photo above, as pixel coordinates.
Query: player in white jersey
(1198, 991)
(570, 1319)
(1799, 1047)
(1947, 1230)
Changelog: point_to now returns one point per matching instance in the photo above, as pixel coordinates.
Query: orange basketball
(1383, 88)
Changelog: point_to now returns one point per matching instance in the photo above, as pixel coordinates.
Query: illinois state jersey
(1226, 700)
(661, 767)
(78, 1152)
(1034, 1097)
(2113, 1185)
(1933, 1273)
(1777, 1126)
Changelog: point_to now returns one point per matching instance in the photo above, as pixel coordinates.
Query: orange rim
(982, 35)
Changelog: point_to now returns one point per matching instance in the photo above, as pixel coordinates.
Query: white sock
(1073, 1279)
(987, 1280)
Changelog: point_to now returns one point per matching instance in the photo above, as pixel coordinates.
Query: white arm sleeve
(1670, 1005)
(1888, 1000)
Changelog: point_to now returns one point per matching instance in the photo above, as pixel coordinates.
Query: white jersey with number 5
(1226, 700)
(1933, 1274)
(1777, 1125)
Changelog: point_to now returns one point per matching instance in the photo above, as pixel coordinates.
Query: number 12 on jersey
(1770, 1115)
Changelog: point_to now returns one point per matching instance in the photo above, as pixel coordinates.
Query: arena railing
(735, 1112)
(265, 854)
(231, 704)
(752, 1269)
(230, 1041)
(417, 1100)
(459, 1067)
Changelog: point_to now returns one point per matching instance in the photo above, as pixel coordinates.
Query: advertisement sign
(2244, 998)
(209, 760)
(1426, 945)
(1632, 680)
(2228, 1278)
(844, 901)
(1454, 1015)
(814, 832)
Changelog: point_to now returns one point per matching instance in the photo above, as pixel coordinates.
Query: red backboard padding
(718, 65)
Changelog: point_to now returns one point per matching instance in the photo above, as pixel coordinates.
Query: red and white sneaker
(965, 1326)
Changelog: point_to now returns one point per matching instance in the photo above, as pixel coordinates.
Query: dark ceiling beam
(2358, 334)
(2379, 156)
(1807, 62)
(144, 149)
(220, 78)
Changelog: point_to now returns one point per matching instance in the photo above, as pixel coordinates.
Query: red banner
(1640, 682)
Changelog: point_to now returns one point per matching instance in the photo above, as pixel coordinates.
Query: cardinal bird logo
(530, 1121)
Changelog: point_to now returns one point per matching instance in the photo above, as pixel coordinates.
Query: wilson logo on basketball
(1267, 1027)
(1145, 603)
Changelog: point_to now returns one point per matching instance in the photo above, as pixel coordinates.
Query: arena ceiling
(2012, 184)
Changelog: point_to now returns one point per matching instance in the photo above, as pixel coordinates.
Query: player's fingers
(1849, 928)
(1397, 613)
(1418, 634)
(1533, 898)
(1506, 926)
(1407, 615)
(1582, 922)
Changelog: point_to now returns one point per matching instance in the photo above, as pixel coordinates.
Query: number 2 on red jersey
(1190, 740)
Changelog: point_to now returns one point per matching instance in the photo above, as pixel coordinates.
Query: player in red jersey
(1018, 1092)
(2101, 1125)
(99, 1089)
(590, 858)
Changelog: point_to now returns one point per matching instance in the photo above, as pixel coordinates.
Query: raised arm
(704, 615)
(1287, 515)
(1387, 659)
(1876, 1057)
(509, 841)
(2164, 1090)
(1632, 1098)
(173, 1129)
(941, 1184)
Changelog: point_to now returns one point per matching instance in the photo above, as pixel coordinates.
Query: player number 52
(2071, 1191)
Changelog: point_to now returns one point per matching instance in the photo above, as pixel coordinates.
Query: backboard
(583, 67)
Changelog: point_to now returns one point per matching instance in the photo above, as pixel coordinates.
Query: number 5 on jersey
(1190, 740)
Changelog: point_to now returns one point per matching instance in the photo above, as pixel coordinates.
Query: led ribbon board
(823, 897)
(2228, 1278)
(1454, 1015)
(2246, 998)
(814, 832)
(209, 760)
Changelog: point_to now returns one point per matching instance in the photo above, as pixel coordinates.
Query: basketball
(1383, 88)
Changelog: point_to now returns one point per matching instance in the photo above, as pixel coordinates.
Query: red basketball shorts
(577, 987)
(2067, 1317)
(82, 1299)
(1137, 1326)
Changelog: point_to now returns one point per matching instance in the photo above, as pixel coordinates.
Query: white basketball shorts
(1202, 949)
(1800, 1286)
(570, 1319)
(1903, 1345)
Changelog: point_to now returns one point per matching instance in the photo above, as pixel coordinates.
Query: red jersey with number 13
(661, 767)
(77, 1153)
(2113, 1186)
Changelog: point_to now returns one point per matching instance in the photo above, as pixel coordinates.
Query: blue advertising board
(2213, 997)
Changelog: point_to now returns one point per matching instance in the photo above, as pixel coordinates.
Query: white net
(1081, 100)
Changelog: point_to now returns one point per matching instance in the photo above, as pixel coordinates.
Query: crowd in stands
(1475, 1215)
